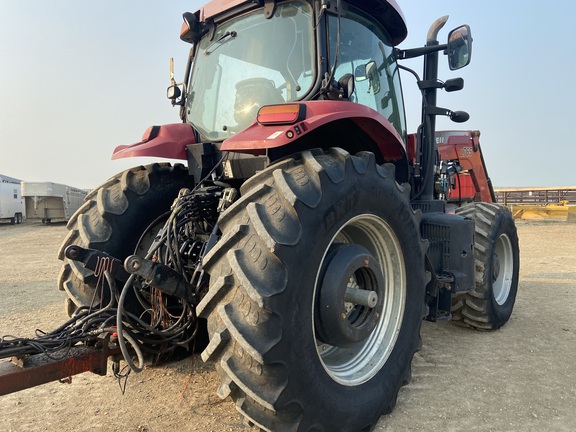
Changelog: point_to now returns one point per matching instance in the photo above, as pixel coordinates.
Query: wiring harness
(151, 324)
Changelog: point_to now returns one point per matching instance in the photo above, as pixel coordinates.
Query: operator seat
(251, 95)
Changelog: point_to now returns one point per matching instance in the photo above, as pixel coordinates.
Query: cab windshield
(249, 62)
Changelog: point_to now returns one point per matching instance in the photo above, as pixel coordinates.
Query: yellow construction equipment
(561, 212)
(551, 203)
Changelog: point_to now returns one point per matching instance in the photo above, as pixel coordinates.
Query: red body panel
(464, 147)
(256, 138)
(167, 141)
(463, 189)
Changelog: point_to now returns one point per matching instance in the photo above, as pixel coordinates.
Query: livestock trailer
(48, 200)
(12, 207)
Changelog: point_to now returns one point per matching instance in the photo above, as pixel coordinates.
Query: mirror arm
(450, 85)
(418, 52)
(430, 84)
(455, 116)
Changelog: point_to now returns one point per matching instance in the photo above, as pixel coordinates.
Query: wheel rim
(358, 363)
(502, 269)
(148, 236)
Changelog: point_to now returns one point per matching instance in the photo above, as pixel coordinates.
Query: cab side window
(366, 52)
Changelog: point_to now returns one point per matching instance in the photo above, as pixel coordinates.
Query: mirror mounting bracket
(269, 8)
(426, 84)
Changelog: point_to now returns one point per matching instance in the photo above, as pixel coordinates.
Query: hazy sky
(78, 78)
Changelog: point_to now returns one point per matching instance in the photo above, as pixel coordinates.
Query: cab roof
(387, 12)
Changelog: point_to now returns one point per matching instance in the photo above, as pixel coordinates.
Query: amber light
(184, 29)
(281, 114)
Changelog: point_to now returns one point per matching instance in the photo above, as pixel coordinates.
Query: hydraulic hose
(122, 335)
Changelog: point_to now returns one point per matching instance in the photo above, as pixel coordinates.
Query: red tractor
(309, 235)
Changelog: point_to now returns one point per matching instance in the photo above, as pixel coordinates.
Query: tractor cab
(247, 55)
(250, 56)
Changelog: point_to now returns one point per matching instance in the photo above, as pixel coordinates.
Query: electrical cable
(164, 323)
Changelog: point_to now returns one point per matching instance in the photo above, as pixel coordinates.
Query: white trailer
(12, 206)
(48, 201)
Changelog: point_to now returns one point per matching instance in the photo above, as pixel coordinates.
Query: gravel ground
(520, 378)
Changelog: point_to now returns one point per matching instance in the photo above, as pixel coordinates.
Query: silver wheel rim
(357, 364)
(147, 238)
(502, 281)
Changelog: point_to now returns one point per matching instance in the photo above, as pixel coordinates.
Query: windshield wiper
(229, 35)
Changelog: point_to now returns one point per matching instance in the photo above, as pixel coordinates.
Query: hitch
(158, 275)
(97, 261)
(93, 334)
(162, 277)
(33, 370)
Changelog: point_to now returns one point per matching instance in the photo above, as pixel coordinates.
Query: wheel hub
(351, 296)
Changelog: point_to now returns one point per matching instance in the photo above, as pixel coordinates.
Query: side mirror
(369, 71)
(459, 48)
(360, 73)
(173, 92)
(346, 83)
(373, 76)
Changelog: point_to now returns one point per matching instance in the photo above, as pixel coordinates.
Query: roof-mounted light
(192, 29)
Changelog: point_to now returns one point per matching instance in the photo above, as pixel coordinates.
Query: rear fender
(326, 124)
(167, 141)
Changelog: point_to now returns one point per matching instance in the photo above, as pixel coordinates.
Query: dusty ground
(521, 378)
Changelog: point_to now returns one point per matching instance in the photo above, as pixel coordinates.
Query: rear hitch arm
(97, 261)
(162, 277)
(156, 274)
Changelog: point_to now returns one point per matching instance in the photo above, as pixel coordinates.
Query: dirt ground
(520, 378)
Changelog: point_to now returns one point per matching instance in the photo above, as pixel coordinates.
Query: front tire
(113, 218)
(489, 305)
(292, 352)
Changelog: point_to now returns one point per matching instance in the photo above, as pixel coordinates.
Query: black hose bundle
(164, 322)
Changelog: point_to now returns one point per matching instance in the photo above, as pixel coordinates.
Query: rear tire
(290, 351)
(113, 218)
(489, 305)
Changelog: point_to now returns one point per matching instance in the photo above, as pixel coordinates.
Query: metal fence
(536, 196)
